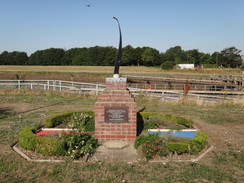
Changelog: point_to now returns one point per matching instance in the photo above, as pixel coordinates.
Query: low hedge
(179, 147)
(169, 117)
(45, 146)
(193, 146)
(197, 143)
(58, 119)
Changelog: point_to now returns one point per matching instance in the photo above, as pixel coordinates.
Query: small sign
(116, 114)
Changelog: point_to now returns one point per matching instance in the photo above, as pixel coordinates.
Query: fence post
(54, 85)
(162, 97)
(31, 86)
(48, 85)
(96, 89)
(60, 85)
(18, 84)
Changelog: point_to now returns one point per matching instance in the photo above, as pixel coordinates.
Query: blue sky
(206, 25)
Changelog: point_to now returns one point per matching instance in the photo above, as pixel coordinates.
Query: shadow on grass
(5, 112)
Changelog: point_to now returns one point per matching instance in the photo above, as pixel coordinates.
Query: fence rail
(90, 88)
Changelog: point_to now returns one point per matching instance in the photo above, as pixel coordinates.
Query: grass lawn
(223, 125)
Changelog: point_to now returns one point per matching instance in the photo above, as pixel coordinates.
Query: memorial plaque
(116, 114)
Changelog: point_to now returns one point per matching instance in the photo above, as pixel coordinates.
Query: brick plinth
(115, 95)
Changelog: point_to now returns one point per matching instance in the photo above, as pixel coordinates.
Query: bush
(151, 122)
(167, 117)
(75, 144)
(150, 143)
(206, 66)
(27, 138)
(198, 142)
(153, 144)
(79, 144)
(56, 120)
(50, 146)
(168, 65)
(178, 147)
(45, 146)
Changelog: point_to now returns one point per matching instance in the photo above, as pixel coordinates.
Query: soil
(89, 78)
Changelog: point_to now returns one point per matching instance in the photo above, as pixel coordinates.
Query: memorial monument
(115, 109)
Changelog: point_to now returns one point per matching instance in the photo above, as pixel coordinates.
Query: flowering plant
(78, 142)
(152, 147)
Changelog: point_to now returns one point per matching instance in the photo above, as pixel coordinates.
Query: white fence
(79, 87)
(55, 85)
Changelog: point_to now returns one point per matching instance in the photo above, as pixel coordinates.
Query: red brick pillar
(115, 112)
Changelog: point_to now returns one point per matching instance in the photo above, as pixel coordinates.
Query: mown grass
(221, 166)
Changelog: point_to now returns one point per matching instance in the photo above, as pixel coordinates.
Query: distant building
(185, 66)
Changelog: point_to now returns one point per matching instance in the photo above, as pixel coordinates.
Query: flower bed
(179, 139)
(73, 142)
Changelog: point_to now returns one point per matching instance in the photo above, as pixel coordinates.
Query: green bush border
(193, 146)
(169, 117)
(43, 145)
(50, 146)
(58, 119)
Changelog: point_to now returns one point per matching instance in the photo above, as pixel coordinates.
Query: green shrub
(83, 120)
(198, 142)
(153, 144)
(50, 146)
(140, 140)
(151, 123)
(168, 65)
(27, 138)
(210, 66)
(45, 146)
(58, 119)
(179, 147)
(79, 144)
(167, 117)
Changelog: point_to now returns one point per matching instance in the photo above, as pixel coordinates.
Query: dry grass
(109, 69)
(78, 69)
(222, 166)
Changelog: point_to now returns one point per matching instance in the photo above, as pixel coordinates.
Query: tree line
(105, 56)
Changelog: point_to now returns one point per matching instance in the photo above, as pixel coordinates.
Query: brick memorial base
(115, 112)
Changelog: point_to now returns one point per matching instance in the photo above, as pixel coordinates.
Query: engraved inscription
(116, 114)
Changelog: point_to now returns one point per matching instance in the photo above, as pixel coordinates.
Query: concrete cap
(115, 144)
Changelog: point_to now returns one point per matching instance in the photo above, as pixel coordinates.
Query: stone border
(22, 154)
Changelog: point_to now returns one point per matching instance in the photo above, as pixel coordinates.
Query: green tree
(51, 56)
(230, 57)
(69, 56)
(35, 58)
(174, 54)
(151, 57)
(110, 56)
(13, 58)
(4, 58)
